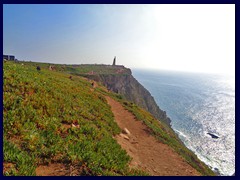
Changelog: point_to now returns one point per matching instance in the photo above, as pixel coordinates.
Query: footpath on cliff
(146, 152)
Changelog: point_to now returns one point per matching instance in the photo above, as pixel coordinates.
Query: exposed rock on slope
(126, 85)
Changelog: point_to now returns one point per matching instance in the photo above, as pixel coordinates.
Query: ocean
(198, 104)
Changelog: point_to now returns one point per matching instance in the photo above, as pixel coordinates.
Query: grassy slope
(53, 102)
(163, 133)
(39, 108)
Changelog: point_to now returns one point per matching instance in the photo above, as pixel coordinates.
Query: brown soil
(8, 167)
(59, 169)
(147, 153)
(55, 169)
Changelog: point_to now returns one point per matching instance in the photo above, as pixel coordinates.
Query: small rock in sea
(213, 135)
(217, 172)
(124, 136)
(126, 131)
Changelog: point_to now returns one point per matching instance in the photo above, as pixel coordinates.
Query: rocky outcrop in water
(213, 135)
(126, 85)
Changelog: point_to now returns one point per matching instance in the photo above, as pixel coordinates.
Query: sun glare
(191, 38)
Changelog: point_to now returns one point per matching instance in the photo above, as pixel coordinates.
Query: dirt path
(148, 154)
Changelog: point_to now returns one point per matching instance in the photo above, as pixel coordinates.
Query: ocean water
(198, 104)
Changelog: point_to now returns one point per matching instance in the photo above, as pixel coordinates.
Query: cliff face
(126, 85)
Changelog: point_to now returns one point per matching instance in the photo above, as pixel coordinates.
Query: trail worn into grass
(147, 153)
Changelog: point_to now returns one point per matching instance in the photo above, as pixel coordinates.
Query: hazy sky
(176, 37)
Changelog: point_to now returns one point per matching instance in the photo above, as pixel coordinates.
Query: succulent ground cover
(50, 118)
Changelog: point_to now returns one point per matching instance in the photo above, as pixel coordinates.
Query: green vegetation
(50, 118)
(23, 163)
(165, 134)
(83, 69)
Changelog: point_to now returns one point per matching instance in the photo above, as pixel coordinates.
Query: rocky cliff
(126, 85)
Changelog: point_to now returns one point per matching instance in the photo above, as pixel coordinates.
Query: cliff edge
(123, 83)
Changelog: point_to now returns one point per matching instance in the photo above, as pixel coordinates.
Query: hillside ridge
(61, 122)
(119, 79)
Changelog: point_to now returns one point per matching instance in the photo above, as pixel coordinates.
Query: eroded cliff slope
(126, 85)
